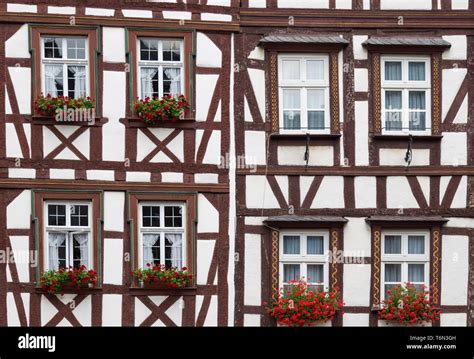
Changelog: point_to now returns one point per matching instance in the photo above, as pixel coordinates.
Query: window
(162, 234)
(405, 258)
(304, 92)
(64, 66)
(160, 67)
(304, 255)
(406, 95)
(68, 235)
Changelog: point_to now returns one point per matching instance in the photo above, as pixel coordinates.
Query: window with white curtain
(64, 66)
(67, 234)
(162, 234)
(406, 95)
(405, 258)
(160, 67)
(304, 255)
(304, 93)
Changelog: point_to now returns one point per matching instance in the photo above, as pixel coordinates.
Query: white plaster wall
(361, 80)
(452, 80)
(396, 157)
(454, 149)
(257, 54)
(213, 149)
(211, 317)
(19, 211)
(459, 200)
(252, 272)
(62, 10)
(177, 15)
(257, 3)
(362, 133)
(172, 177)
(23, 8)
(458, 49)
(454, 270)
(113, 132)
(207, 16)
(206, 178)
(365, 192)
(17, 44)
(20, 248)
(258, 193)
(343, 4)
(205, 252)
(355, 320)
(21, 79)
(111, 310)
(357, 284)
(461, 116)
(12, 143)
(205, 87)
(360, 52)
(138, 176)
(251, 320)
(83, 312)
(207, 53)
(61, 173)
(306, 4)
(13, 319)
(218, 2)
(146, 14)
(257, 78)
(113, 260)
(255, 221)
(366, 5)
(453, 319)
(208, 216)
(330, 193)
(357, 237)
(399, 194)
(460, 222)
(255, 144)
(94, 11)
(294, 155)
(459, 4)
(21, 173)
(113, 44)
(99, 175)
(405, 4)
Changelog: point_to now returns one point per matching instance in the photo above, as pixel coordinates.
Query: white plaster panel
(114, 204)
(257, 3)
(257, 78)
(294, 155)
(405, 5)
(111, 310)
(454, 149)
(330, 193)
(252, 273)
(206, 178)
(305, 4)
(205, 87)
(208, 216)
(399, 194)
(357, 237)
(357, 284)
(454, 270)
(211, 317)
(366, 5)
(459, 200)
(255, 144)
(362, 133)
(360, 52)
(207, 54)
(138, 176)
(451, 83)
(207, 16)
(94, 11)
(13, 147)
(458, 49)
(21, 79)
(396, 157)
(20, 248)
(453, 319)
(361, 80)
(13, 319)
(62, 10)
(61, 173)
(259, 194)
(205, 252)
(365, 192)
(172, 177)
(83, 312)
(460, 4)
(343, 4)
(251, 320)
(17, 45)
(19, 211)
(461, 116)
(218, 2)
(213, 149)
(23, 8)
(177, 15)
(113, 44)
(460, 222)
(146, 14)
(100, 175)
(355, 320)
(257, 54)
(21, 173)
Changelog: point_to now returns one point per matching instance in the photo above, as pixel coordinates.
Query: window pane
(292, 120)
(291, 105)
(173, 250)
(390, 287)
(52, 48)
(57, 250)
(291, 69)
(149, 82)
(150, 216)
(76, 48)
(315, 273)
(416, 71)
(76, 81)
(291, 245)
(393, 244)
(144, 50)
(316, 120)
(316, 99)
(416, 245)
(416, 273)
(53, 80)
(151, 249)
(418, 121)
(171, 81)
(315, 245)
(393, 71)
(315, 70)
(393, 273)
(171, 51)
(173, 216)
(291, 272)
(393, 102)
(80, 249)
(79, 215)
(417, 100)
(56, 215)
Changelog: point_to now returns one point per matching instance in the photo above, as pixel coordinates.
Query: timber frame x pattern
(271, 52)
(378, 225)
(190, 200)
(335, 227)
(375, 69)
(39, 220)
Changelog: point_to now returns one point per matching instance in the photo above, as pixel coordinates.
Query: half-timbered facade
(315, 127)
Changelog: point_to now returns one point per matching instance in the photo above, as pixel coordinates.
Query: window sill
(303, 136)
(162, 291)
(418, 138)
(50, 120)
(71, 291)
(135, 122)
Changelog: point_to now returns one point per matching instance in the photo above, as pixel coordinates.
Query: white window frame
(159, 64)
(162, 229)
(65, 62)
(404, 258)
(304, 85)
(405, 86)
(303, 259)
(69, 230)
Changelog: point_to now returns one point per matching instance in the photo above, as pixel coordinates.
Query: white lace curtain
(174, 76)
(176, 241)
(81, 240)
(146, 78)
(51, 74)
(55, 240)
(79, 73)
(149, 241)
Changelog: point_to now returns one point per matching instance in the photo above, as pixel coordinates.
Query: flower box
(168, 109)
(57, 281)
(161, 277)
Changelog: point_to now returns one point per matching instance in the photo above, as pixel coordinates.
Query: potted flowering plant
(50, 106)
(54, 281)
(299, 306)
(160, 276)
(408, 306)
(152, 110)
